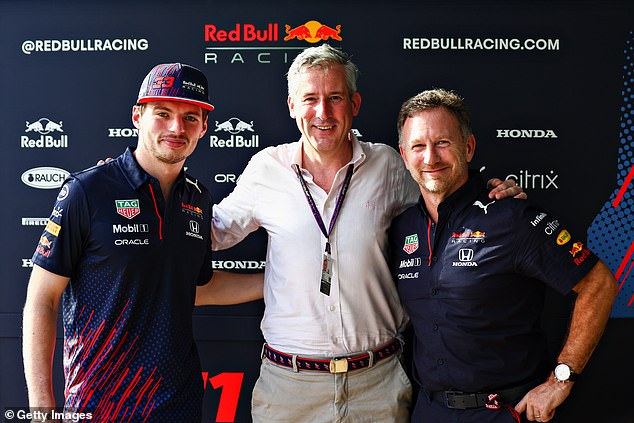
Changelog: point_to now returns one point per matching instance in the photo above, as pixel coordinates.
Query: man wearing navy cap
(472, 271)
(125, 247)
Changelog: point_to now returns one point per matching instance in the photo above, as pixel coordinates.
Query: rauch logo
(44, 177)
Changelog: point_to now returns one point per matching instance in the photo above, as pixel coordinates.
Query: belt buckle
(461, 400)
(339, 365)
(449, 399)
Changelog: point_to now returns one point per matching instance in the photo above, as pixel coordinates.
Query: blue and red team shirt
(474, 286)
(134, 262)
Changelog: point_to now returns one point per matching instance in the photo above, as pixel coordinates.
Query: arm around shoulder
(38, 334)
(508, 188)
(227, 288)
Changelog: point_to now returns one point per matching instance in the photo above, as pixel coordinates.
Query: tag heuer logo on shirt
(128, 208)
(411, 243)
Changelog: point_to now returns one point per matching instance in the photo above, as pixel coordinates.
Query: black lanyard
(313, 206)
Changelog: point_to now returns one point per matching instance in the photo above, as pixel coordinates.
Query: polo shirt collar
(463, 197)
(134, 173)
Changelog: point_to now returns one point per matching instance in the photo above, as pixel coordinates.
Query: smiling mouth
(434, 171)
(174, 140)
(324, 127)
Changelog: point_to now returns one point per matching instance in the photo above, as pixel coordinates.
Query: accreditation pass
(326, 275)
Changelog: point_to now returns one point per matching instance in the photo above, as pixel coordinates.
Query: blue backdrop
(549, 84)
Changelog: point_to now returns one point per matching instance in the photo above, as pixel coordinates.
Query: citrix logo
(528, 180)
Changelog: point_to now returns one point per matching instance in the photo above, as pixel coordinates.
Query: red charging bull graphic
(313, 32)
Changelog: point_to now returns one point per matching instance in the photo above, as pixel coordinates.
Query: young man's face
(169, 130)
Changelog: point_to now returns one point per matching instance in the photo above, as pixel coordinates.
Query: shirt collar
(358, 153)
(134, 173)
(463, 197)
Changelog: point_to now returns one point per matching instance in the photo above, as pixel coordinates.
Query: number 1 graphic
(231, 384)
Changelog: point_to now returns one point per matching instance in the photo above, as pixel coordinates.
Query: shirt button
(434, 259)
(440, 361)
(435, 326)
(434, 291)
(332, 308)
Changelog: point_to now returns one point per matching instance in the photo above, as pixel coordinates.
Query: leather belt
(334, 365)
(464, 400)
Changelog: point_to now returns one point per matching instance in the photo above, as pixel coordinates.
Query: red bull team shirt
(474, 283)
(134, 261)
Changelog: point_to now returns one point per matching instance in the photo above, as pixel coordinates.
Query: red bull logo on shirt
(45, 242)
(468, 237)
(576, 248)
(192, 210)
(579, 253)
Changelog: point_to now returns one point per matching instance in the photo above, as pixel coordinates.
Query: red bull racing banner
(549, 85)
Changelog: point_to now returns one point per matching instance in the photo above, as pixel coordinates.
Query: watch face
(562, 372)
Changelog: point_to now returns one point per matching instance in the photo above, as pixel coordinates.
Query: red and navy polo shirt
(474, 286)
(134, 260)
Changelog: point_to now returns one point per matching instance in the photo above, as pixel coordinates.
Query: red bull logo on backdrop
(44, 127)
(313, 32)
(242, 32)
(263, 43)
(234, 126)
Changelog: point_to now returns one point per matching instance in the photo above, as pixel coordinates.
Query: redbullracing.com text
(541, 44)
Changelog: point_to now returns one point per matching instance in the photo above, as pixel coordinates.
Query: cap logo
(194, 87)
(163, 82)
(175, 82)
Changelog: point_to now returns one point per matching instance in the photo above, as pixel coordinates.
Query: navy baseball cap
(175, 82)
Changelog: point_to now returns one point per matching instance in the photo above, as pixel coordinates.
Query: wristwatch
(564, 373)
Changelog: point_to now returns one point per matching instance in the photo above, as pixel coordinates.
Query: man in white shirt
(332, 319)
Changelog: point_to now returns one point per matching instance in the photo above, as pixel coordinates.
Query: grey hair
(324, 56)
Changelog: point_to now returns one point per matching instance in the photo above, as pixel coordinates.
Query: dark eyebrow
(167, 109)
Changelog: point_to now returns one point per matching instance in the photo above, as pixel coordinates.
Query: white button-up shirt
(363, 310)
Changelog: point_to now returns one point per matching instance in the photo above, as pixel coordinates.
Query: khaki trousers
(378, 394)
